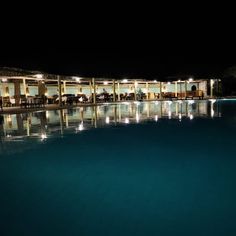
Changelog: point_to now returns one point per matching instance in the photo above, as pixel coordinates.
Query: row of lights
(78, 79)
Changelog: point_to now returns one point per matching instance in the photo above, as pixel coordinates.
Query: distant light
(137, 117)
(156, 117)
(77, 79)
(169, 114)
(190, 79)
(179, 80)
(155, 81)
(107, 120)
(191, 117)
(39, 76)
(105, 82)
(169, 102)
(168, 82)
(124, 81)
(4, 80)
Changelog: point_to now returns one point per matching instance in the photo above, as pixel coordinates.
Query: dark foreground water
(155, 175)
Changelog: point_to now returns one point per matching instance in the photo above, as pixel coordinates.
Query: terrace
(22, 90)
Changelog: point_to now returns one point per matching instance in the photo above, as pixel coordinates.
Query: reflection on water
(42, 125)
(178, 179)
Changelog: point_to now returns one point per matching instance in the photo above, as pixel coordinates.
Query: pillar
(118, 88)
(64, 86)
(176, 89)
(90, 88)
(147, 90)
(94, 91)
(211, 87)
(185, 83)
(160, 90)
(114, 90)
(17, 91)
(1, 91)
(59, 89)
(135, 97)
(180, 88)
(41, 88)
(24, 87)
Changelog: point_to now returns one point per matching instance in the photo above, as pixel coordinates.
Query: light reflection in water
(43, 125)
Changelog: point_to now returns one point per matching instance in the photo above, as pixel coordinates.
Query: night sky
(132, 55)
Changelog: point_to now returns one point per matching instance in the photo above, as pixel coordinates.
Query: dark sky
(150, 42)
(150, 62)
(148, 53)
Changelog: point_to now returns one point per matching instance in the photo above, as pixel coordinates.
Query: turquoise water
(129, 169)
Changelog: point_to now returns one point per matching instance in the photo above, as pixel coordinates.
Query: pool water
(125, 169)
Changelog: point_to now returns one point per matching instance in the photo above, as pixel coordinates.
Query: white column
(1, 90)
(118, 88)
(176, 89)
(90, 88)
(135, 98)
(114, 90)
(185, 82)
(24, 88)
(147, 90)
(59, 89)
(64, 86)
(211, 87)
(94, 91)
(160, 90)
(180, 87)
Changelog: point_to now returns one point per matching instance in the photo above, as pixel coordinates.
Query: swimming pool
(156, 168)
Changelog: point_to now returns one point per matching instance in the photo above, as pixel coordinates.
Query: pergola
(18, 76)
